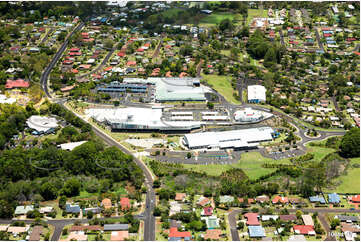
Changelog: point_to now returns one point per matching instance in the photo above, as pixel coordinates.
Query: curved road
(149, 219)
(44, 77)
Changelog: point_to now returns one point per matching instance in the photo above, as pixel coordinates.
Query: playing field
(256, 13)
(251, 163)
(222, 84)
(216, 18)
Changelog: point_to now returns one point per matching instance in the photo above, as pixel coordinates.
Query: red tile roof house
(304, 229)
(74, 50)
(278, 199)
(19, 83)
(207, 211)
(174, 234)
(203, 201)
(252, 218)
(124, 203)
(121, 54)
(212, 234)
(131, 63)
(180, 196)
(355, 199)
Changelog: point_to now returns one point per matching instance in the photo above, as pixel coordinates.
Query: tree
(210, 105)
(240, 225)
(48, 191)
(157, 212)
(350, 143)
(89, 214)
(226, 24)
(189, 155)
(62, 202)
(108, 43)
(6, 210)
(299, 214)
(334, 223)
(270, 57)
(71, 187)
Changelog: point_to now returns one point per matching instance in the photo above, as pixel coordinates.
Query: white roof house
(256, 93)
(42, 124)
(4, 99)
(228, 139)
(71, 146)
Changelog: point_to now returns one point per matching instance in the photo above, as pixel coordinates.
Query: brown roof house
(180, 197)
(107, 203)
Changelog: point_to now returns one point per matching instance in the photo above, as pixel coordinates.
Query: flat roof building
(256, 94)
(243, 138)
(174, 88)
(250, 115)
(142, 119)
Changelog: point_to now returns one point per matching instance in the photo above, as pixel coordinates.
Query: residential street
(321, 211)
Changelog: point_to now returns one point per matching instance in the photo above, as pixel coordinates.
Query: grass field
(256, 13)
(350, 183)
(222, 84)
(216, 18)
(250, 162)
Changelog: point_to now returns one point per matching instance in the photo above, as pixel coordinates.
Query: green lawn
(319, 152)
(216, 18)
(256, 13)
(222, 84)
(350, 183)
(250, 162)
(85, 194)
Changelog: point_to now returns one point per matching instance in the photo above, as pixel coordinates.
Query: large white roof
(239, 138)
(71, 146)
(41, 124)
(256, 92)
(151, 118)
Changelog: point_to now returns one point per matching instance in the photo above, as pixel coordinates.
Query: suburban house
(125, 203)
(21, 210)
(279, 199)
(119, 235)
(319, 199)
(304, 229)
(180, 197)
(307, 219)
(72, 208)
(175, 235)
(207, 211)
(288, 217)
(19, 83)
(211, 221)
(212, 234)
(106, 203)
(252, 219)
(202, 201)
(333, 198)
(115, 227)
(256, 231)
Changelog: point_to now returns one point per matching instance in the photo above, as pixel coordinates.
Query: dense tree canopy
(350, 143)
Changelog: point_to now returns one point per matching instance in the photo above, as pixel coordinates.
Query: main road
(149, 219)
